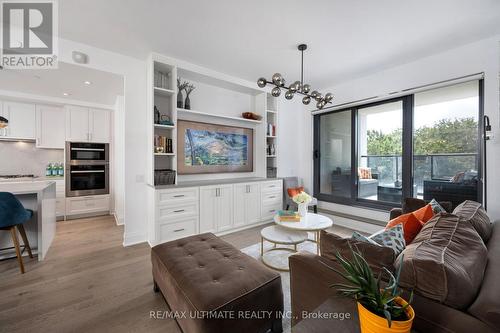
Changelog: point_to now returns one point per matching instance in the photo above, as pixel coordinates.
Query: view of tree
(446, 136)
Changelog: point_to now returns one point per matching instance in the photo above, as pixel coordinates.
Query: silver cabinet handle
(179, 230)
(88, 171)
(272, 197)
(272, 185)
(178, 211)
(88, 149)
(272, 211)
(178, 196)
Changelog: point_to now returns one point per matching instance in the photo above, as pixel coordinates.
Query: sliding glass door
(380, 145)
(424, 145)
(446, 143)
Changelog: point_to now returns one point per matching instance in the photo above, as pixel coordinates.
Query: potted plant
(302, 200)
(381, 309)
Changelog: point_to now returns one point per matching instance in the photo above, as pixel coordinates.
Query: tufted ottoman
(213, 287)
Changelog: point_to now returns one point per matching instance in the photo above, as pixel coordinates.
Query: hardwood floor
(89, 282)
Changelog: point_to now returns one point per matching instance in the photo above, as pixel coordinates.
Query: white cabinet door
(99, 123)
(21, 117)
(240, 194)
(252, 204)
(77, 123)
(50, 127)
(246, 204)
(225, 207)
(208, 209)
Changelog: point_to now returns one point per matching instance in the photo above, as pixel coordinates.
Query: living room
(235, 153)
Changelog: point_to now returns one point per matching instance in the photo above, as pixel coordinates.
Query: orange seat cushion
(293, 191)
(424, 214)
(411, 226)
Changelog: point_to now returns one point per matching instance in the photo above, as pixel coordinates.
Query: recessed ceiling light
(88, 83)
(66, 94)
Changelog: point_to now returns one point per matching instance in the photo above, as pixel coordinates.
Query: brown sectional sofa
(456, 285)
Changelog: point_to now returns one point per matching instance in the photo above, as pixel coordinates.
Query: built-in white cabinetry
(21, 118)
(87, 125)
(271, 198)
(94, 204)
(60, 198)
(176, 213)
(183, 211)
(246, 204)
(216, 208)
(50, 127)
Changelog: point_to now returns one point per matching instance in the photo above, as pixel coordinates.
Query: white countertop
(25, 187)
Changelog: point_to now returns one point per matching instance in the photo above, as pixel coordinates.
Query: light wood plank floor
(89, 282)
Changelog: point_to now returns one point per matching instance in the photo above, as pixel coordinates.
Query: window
(424, 145)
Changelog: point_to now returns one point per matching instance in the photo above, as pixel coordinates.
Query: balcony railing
(425, 167)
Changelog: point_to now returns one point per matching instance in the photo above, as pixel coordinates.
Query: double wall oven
(87, 168)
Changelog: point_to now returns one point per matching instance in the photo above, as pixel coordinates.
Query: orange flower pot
(372, 323)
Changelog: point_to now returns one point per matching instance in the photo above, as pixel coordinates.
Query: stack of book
(165, 143)
(161, 79)
(288, 216)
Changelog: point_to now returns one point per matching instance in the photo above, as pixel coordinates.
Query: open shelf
(271, 111)
(164, 126)
(205, 114)
(163, 92)
(164, 154)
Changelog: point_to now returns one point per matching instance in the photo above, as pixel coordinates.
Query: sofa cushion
(424, 214)
(474, 213)
(486, 307)
(411, 226)
(377, 256)
(445, 262)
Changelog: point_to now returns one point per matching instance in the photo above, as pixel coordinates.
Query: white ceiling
(67, 78)
(254, 38)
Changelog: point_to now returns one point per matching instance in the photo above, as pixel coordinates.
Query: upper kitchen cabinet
(50, 122)
(21, 118)
(87, 125)
(99, 125)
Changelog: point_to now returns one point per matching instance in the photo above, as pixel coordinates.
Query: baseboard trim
(133, 238)
(118, 220)
(353, 217)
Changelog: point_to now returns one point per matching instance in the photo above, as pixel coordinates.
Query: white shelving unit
(271, 136)
(217, 99)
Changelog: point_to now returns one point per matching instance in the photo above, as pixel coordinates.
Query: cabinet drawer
(271, 186)
(174, 213)
(269, 210)
(83, 205)
(271, 198)
(171, 231)
(177, 196)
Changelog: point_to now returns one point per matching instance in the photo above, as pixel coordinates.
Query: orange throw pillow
(411, 226)
(424, 214)
(293, 191)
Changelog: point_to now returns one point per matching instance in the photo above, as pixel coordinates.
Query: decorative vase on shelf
(303, 209)
(188, 89)
(180, 103)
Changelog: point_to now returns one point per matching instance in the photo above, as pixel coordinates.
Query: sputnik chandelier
(298, 87)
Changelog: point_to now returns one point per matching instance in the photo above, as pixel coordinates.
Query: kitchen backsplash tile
(24, 158)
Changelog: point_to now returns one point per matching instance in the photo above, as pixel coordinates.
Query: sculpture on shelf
(180, 87)
(189, 89)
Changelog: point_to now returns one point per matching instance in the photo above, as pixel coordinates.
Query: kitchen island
(39, 196)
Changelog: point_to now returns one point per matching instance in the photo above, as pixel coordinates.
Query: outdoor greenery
(445, 137)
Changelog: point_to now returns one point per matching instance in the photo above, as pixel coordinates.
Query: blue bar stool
(12, 215)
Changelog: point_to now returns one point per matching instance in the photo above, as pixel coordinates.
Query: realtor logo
(29, 34)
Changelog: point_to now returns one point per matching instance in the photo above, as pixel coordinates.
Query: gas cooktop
(16, 176)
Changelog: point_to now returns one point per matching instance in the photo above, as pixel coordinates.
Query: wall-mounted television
(212, 148)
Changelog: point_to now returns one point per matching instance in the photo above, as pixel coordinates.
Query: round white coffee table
(311, 222)
(277, 257)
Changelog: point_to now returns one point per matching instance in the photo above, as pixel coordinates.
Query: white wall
(481, 56)
(133, 139)
(118, 158)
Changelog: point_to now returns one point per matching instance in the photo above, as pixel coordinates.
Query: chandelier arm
(296, 92)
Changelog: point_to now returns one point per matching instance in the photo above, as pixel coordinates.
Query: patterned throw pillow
(361, 238)
(436, 207)
(392, 237)
(364, 173)
(411, 226)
